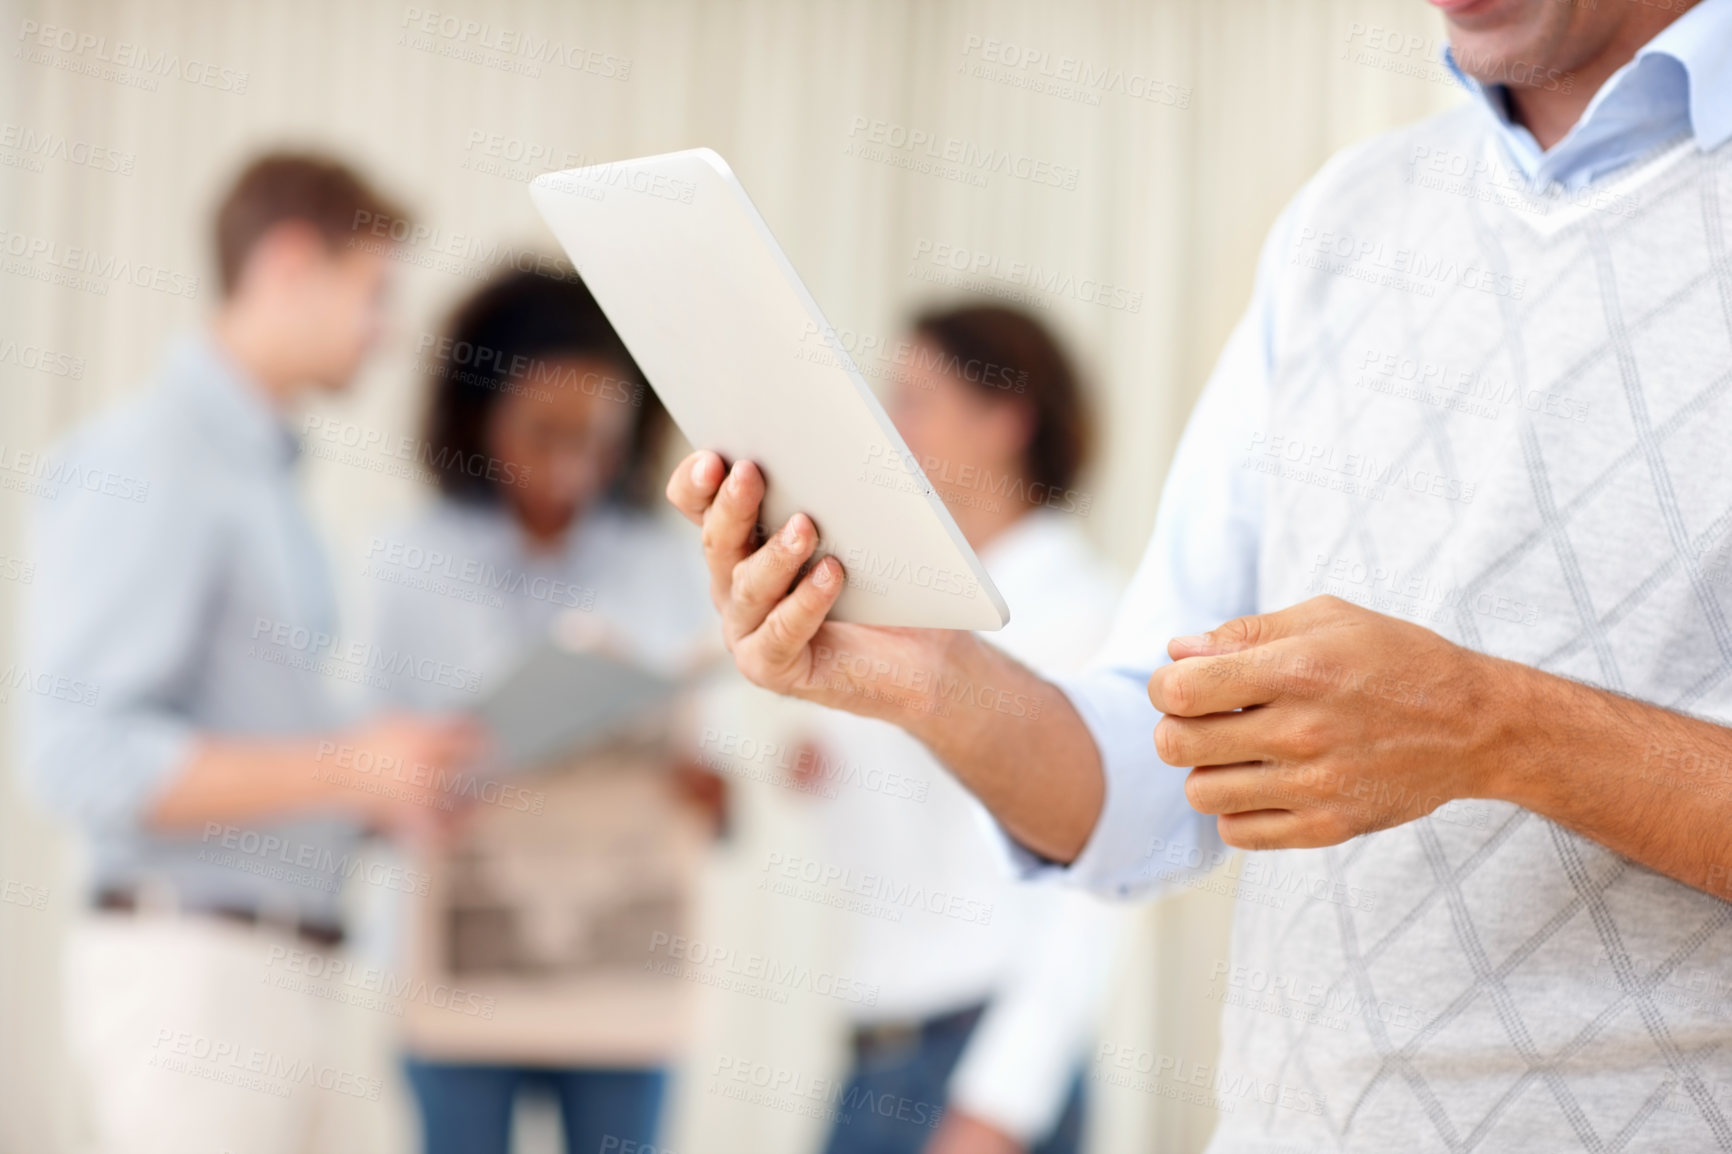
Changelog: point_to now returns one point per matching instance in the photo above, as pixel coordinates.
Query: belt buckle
(887, 1037)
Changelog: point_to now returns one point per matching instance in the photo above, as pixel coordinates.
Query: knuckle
(1326, 609)
(779, 638)
(1253, 835)
(1330, 827)
(1169, 742)
(739, 584)
(1243, 630)
(1305, 740)
(1199, 793)
(710, 533)
(810, 598)
(1234, 833)
(1178, 695)
(752, 666)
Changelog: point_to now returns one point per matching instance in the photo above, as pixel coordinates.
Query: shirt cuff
(1025, 1104)
(106, 774)
(1147, 837)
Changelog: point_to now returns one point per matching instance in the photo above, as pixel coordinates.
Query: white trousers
(187, 1041)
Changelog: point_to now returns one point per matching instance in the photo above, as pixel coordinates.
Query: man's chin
(1495, 41)
(1471, 16)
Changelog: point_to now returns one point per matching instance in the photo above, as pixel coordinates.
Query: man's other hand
(1325, 720)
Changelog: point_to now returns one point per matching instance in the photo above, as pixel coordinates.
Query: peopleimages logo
(976, 268)
(493, 368)
(85, 269)
(320, 867)
(315, 651)
(951, 156)
(121, 61)
(1377, 262)
(41, 360)
(245, 1067)
(370, 987)
(893, 894)
(515, 45)
(1063, 76)
(347, 443)
(16, 678)
(34, 147)
(1297, 459)
(401, 563)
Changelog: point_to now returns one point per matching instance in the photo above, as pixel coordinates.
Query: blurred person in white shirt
(986, 989)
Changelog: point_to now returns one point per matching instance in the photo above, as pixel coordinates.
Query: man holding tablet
(1482, 387)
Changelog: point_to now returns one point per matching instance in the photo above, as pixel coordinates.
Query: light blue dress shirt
(165, 568)
(1200, 566)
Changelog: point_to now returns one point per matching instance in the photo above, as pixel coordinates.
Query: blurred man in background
(184, 600)
(986, 1006)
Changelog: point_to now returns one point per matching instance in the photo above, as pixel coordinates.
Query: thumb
(1245, 632)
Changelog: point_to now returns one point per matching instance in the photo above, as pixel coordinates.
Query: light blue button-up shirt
(174, 559)
(1200, 566)
(1676, 87)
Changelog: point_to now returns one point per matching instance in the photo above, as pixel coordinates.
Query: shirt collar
(229, 405)
(1679, 83)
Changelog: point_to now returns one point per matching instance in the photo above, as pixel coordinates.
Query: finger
(1198, 686)
(474, 744)
(1277, 829)
(1243, 788)
(780, 645)
(729, 525)
(1219, 739)
(764, 578)
(459, 739)
(693, 484)
(1257, 629)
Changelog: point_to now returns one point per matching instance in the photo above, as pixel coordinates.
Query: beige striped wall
(1168, 200)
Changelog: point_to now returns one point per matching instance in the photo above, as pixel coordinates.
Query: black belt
(318, 933)
(884, 1038)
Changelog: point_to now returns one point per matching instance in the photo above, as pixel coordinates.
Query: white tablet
(738, 351)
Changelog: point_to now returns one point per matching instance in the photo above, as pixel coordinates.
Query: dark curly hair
(501, 340)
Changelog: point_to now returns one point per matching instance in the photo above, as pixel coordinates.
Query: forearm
(238, 780)
(1647, 783)
(1034, 765)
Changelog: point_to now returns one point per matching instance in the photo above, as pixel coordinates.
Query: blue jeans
(895, 1095)
(467, 1109)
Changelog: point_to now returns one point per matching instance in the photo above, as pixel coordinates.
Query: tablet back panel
(738, 351)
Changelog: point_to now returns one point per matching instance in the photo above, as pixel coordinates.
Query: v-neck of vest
(1548, 218)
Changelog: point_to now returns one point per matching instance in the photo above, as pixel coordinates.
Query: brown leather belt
(888, 1039)
(326, 934)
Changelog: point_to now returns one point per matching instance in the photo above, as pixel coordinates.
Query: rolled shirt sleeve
(1199, 570)
(112, 641)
